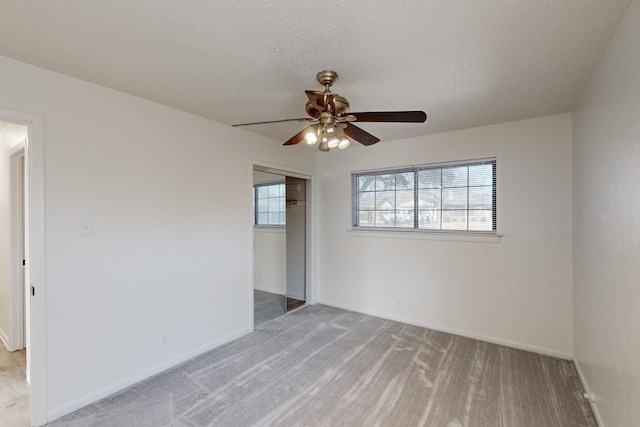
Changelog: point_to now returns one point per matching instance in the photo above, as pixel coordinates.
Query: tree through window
(451, 197)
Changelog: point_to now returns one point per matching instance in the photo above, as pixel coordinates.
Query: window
(450, 197)
(269, 204)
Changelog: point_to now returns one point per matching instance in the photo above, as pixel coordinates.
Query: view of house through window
(452, 197)
(269, 204)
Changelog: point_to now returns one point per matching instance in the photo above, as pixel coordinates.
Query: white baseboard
(585, 386)
(56, 413)
(440, 328)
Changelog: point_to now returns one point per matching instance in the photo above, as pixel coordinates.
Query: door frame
(310, 233)
(18, 338)
(35, 256)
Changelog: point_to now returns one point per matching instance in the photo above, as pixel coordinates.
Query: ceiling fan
(331, 125)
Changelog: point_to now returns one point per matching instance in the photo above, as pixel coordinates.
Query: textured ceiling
(466, 63)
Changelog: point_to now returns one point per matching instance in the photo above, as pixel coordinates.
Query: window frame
(415, 170)
(256, 212)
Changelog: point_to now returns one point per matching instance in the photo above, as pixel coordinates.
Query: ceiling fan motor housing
(339, 106)
(331, 103)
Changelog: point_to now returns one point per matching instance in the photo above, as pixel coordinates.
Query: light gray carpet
(267, 306)
(15, 403)
(322, 366)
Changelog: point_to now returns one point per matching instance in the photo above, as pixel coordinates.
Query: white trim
(465, 162)
(267, 229)
(279, 169)
(141, 376)
(18, 278)
(469, 237)
(35, 255)
(588, 394)
(440, 328)
(261, 183)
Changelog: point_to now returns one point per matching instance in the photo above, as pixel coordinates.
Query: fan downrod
(327, 77)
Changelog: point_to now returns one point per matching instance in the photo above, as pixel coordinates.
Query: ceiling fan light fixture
(324, 146)
(340, 139)
(333, 142)
(311, 136)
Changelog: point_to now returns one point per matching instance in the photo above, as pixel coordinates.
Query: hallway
(14, 389)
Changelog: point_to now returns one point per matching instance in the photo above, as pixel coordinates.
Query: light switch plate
(86, 227)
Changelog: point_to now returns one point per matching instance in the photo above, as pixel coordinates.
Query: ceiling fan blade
(301, 119)
(346, 118)
(362, 136)
(392, 116)
(297, 137)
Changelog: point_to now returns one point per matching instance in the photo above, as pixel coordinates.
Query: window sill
(426, 235)
(270, 228)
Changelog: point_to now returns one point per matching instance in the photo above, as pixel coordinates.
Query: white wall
(169, 197)
(517, 291)
(10, 136)
(260, 177)
(269, 249)
(270, 259)
(606, 221)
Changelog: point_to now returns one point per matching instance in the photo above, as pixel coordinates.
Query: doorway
(13, 140)
(280, 242)
(14, 301)
(22, 176)
(17, 207)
